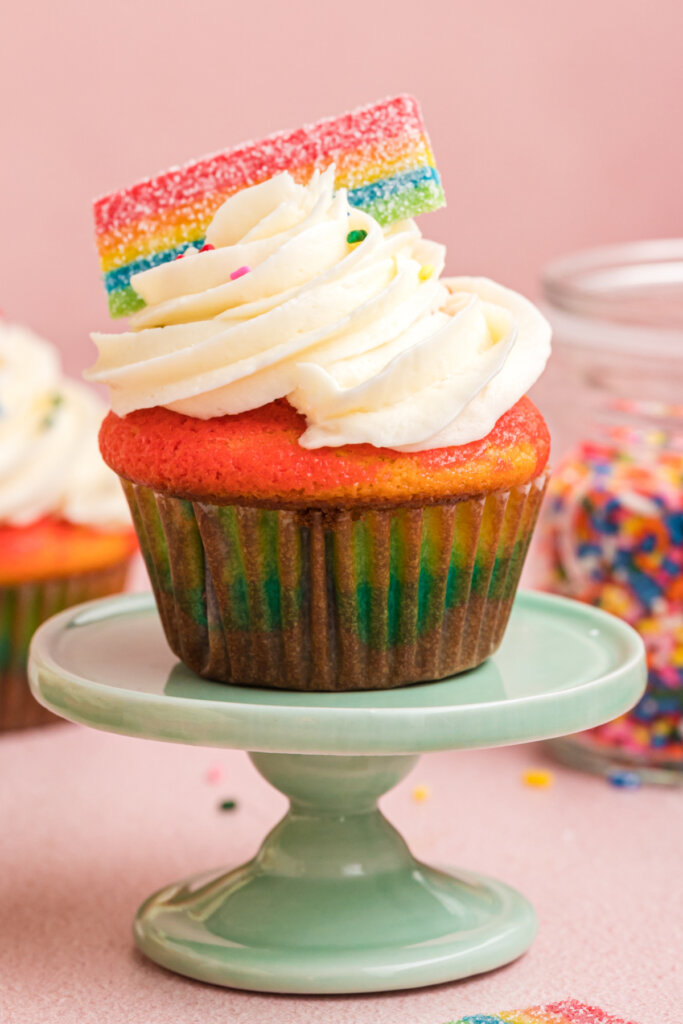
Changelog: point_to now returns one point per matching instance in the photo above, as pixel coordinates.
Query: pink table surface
(92, 823)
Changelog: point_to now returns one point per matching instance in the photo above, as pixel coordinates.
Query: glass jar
(612, 529)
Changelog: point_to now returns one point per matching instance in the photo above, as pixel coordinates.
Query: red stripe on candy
(570, 1011)
(247, 163)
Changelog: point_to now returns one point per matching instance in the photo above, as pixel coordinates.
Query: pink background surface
(555, 125)
(94, 823)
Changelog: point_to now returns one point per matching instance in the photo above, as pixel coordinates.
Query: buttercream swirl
(49, 461)
(350, 321)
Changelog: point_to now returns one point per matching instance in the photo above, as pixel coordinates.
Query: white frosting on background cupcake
(49, 460)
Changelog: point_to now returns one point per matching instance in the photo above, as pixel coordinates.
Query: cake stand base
(334, 901)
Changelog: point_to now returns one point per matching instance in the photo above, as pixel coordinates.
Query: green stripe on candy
(124, 301)
(396, 197)
(423, 197)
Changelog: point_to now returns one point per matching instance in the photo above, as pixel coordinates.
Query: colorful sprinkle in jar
(612, 534)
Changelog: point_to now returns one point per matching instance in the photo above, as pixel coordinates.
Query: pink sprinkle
(240, 272)
(205, 248)
(214, 773)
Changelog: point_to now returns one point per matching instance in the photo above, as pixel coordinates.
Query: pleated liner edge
(23, 606)
(335, 600)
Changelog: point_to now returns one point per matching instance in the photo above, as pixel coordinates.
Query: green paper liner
(363, 599)
(23, 606)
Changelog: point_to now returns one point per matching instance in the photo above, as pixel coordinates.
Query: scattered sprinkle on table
(214, 773)
(536, 778)
(624, 779)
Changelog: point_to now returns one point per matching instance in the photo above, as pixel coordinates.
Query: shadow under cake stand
(334, 901)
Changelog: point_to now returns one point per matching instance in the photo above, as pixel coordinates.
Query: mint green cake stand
(334, 901)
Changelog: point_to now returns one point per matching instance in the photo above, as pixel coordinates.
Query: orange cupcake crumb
(255, 457)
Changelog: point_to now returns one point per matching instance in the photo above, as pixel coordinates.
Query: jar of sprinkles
(612, 530)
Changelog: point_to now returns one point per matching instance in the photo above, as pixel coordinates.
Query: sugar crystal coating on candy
(381, 153)
(568, 1011)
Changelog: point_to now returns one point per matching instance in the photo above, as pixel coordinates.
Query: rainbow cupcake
(65, 533)
(332, 468)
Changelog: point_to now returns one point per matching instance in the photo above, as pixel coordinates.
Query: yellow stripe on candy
(172, 227)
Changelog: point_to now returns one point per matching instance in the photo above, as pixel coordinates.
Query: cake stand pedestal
(334, 901)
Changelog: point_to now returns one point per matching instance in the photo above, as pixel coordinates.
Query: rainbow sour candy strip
(566, 1012)
(381, 152)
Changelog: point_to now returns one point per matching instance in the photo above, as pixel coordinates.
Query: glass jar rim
(605, 298)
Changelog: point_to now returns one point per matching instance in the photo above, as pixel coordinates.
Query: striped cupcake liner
(334, 600)
(23, 607)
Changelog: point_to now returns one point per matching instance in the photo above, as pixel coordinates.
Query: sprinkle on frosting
(362, 344)
(240, 272)
(381, 152)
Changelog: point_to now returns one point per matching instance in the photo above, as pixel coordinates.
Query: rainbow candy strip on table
(566, 1012)
(382, 156)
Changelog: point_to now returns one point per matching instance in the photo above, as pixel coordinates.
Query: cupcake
(331, 463)
(65, 533)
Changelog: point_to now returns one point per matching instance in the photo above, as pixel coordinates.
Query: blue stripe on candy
(366, 195)
(114, 280)
(479, 1018)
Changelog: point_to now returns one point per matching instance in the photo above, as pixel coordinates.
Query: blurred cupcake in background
(65, 531)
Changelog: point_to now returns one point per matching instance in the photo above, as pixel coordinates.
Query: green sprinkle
(49, 418)
(228, 805)
(356, 236)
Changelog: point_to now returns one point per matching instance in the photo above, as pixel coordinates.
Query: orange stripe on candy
(151, 233)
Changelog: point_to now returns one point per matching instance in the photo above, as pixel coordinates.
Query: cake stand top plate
(562, 667)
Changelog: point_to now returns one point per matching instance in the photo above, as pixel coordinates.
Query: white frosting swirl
(49, 460)
(363, 338)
